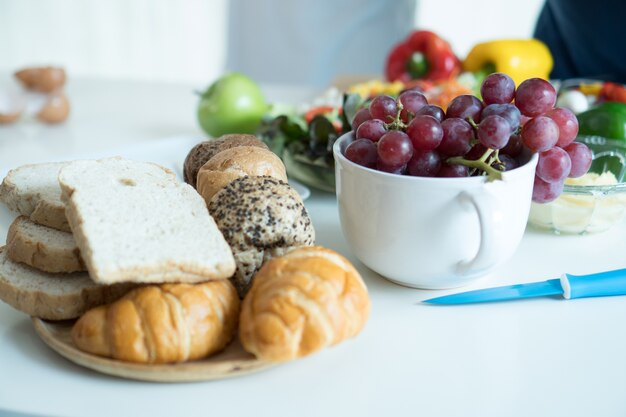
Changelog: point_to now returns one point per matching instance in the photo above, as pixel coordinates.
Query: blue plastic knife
(569, 286)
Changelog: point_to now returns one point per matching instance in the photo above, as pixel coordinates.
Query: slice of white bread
(52, 296)
(33, 190)
(42, 247)
(133, 221)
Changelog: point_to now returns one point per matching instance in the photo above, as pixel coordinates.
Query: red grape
(395, 148)
(372, 129)
(432, 110)
(392, 169)
(465, 106)
(477, 151)
(554, 165)
(457, 136)
(535, 96)
(494, 132)
(507, 162)
(425, 132)
(412, 101)
(362, 152)
(581, 157)
(567, 123)
(508, 111)
(524, 119)
(384, 108)
(360, 116)
(453, 170)
(424, 164)
(540, 134)
(544, 192)
(497, 88)
(514, 147)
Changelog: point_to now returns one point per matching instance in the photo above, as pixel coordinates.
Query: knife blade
(570, 286)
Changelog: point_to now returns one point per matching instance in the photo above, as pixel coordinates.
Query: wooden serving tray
(233, 361)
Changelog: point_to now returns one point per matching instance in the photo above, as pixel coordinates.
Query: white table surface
(540, 357)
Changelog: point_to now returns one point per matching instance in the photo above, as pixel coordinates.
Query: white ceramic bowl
(431, 232)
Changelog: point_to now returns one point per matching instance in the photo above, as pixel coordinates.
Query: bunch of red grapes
(407, 136)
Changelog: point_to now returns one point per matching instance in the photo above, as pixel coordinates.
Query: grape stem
(484, 162)
(397, 123)
(481, 164)
(472, 123)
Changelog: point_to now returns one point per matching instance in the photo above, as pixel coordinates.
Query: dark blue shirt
(586, 38)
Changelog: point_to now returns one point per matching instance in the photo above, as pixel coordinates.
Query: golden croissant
(306, 300)
(162, 323)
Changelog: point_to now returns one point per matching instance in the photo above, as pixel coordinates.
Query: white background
(185, 40)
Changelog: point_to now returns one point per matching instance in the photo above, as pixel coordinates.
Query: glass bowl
(583, 209)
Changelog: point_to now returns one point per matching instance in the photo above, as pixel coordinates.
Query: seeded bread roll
(203, 151)
(233, 163)
(260, 217)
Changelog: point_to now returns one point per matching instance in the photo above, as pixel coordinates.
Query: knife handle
(594, 285)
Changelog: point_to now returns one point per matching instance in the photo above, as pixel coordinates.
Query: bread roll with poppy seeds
(260, 218)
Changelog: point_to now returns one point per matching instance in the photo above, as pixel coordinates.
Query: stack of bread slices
(42, 272)
(89, 232)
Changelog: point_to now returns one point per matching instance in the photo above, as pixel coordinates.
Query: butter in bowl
(594, 202)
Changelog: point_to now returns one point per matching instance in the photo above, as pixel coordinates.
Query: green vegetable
(607, 120)
(307, 149)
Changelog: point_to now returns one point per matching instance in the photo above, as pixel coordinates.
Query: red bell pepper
(613, 92)
(422, 55)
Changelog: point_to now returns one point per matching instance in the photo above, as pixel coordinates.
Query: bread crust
(52, 296)
(162, 323)
(233, 163)
(40, 209)
(299, 303)
(30, 248)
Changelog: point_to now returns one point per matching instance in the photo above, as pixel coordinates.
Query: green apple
(232, 104)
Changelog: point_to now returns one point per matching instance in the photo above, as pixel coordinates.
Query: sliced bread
(133, 221)
(33, 190)
(52, 296)
(42, 247)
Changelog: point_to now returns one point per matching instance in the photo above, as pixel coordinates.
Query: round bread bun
(203, 151)
(261, 218)
(233, 163)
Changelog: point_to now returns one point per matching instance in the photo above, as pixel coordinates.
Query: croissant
(301, 302)
(162, 323)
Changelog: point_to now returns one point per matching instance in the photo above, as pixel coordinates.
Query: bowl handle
(487, 256)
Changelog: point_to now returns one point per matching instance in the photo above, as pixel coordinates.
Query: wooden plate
(233, 361)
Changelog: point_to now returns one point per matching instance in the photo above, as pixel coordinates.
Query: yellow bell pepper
(519, 58)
